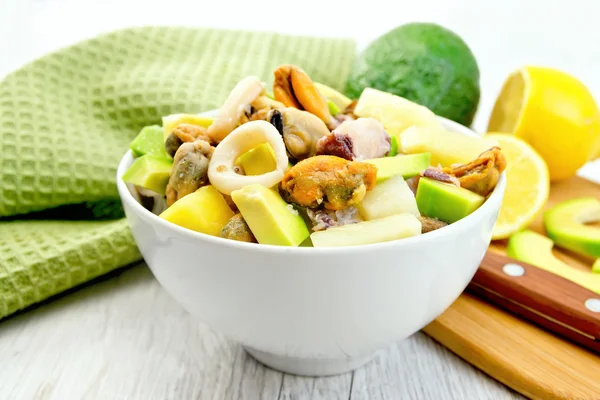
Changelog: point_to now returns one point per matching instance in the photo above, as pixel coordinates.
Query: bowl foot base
(309, 366)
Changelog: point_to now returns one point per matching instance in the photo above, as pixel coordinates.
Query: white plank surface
(125, 338)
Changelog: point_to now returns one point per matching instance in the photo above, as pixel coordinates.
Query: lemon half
(552, 111)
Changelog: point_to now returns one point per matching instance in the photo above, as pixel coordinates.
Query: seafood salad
(303, 165)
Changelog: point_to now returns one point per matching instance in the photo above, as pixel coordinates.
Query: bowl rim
(129, 200)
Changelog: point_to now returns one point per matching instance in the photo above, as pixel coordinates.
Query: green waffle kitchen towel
(67, 118)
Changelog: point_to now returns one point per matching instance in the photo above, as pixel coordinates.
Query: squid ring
(221, 172)
(228, 116)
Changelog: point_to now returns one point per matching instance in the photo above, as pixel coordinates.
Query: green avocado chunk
(149, 141)
(565, 225)
(406, 165)
(393, 146)
(269, 217)
(150, 172)
(333, 108)
(596, 266)
(445, 201)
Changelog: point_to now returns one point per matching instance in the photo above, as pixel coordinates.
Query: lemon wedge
(527, 185)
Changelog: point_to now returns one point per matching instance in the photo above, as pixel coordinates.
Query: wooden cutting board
(528, 359)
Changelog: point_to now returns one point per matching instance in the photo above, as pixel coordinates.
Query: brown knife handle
(546, 298)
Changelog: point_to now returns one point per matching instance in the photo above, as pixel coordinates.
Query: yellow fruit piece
(394, 112)
(204, 211)
(553, 112)
(259, 160)
(333, 95)
(527, 185)
(171, 121)
(446, 148)
(597, 153)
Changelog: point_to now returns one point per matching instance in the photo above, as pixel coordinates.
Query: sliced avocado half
(566, 225)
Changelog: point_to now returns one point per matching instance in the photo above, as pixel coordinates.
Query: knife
(538, 296)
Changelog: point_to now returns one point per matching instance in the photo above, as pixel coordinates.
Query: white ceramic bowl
(313, 311)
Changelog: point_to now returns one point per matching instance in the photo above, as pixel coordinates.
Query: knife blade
(545, 299)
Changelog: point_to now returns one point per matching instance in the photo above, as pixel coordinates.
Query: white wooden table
(125, 338)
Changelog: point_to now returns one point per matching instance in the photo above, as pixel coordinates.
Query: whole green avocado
(425, 63)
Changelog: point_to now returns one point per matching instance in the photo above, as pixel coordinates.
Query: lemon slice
(552, 111)
(527, 185)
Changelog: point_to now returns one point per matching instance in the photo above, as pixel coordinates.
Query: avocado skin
(424, 63)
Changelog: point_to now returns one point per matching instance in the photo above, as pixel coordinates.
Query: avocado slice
(205, 211)
(150, 172)
(390, 197)
(445, 201)
(393, 146)
(536, 249)
(333, 108)
(565, 225)
(270, 218)
(386, 229)
(406, 165)
(259, 160)
(596, 266)
(149, 141)
(171, 121)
